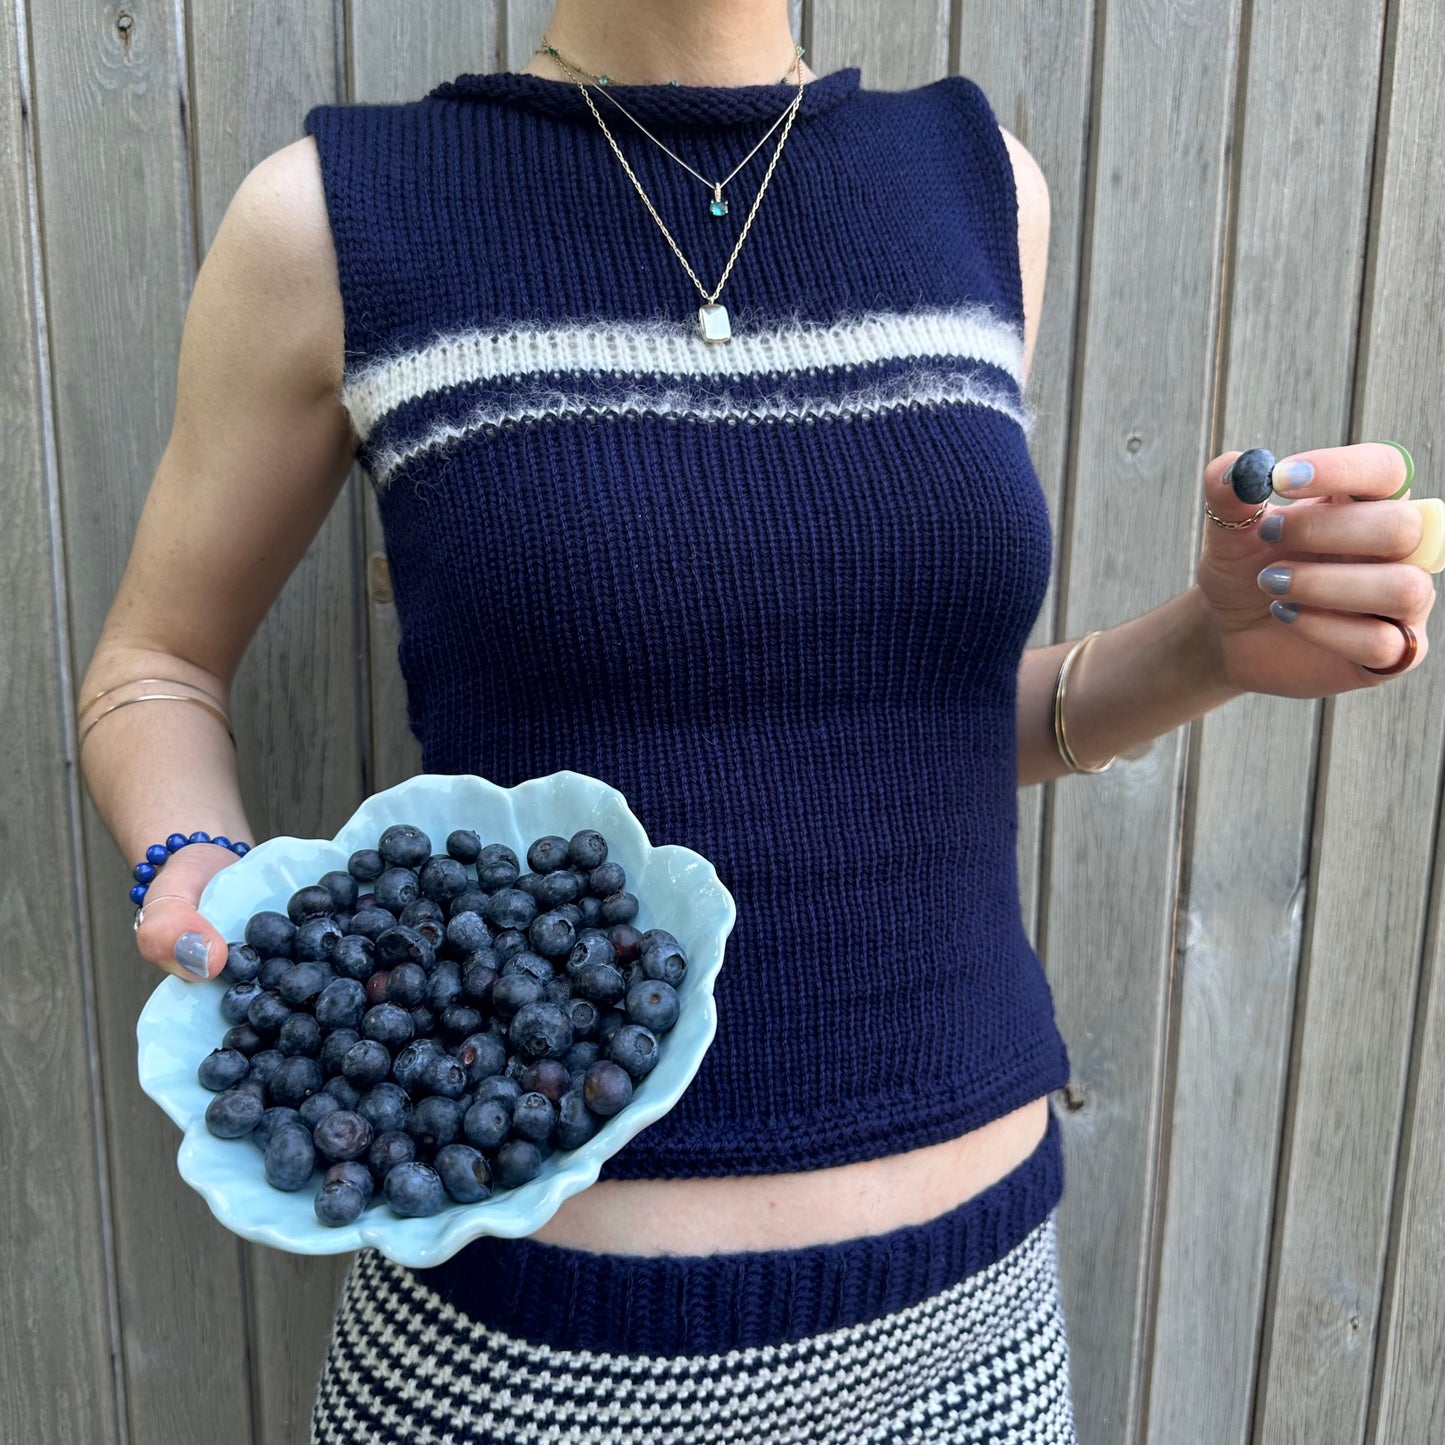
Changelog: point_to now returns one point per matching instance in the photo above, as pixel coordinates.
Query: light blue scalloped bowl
(181, 1023)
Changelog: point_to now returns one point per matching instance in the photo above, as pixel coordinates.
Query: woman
(722, 496)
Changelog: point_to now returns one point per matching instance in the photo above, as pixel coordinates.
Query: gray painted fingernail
(192, 952)
(1271, 528)
(1275, 579)
(1285, 611)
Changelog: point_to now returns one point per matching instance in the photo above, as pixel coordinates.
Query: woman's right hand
(173, 935)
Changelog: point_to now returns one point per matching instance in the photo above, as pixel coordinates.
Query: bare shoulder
(1033, 199)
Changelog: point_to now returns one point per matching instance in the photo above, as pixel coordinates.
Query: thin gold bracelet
(136, 681)
(157, 697)
(1060, 734)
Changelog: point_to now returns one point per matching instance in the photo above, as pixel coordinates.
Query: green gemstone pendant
(718, 206)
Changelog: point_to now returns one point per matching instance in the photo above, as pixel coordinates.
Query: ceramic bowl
(181, 1022)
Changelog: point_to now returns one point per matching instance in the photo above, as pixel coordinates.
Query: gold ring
(1233, 526)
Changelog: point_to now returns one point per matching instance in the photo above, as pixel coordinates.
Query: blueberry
(540, 1030)
(607, 1087)
(396, 888)
(487, 1123)
(434, 1121)
(533, 1116)
(342, 1135)
(244, 1039)
(529, 883)
(576, 1123)
(296, 1080)
(334, 1048)
(265, 1064)
(480, 977)
(302, 984)
(300, 1034)
(590, 910)
(343, 921)
(470, 900)
(444, 1075)
(635, 1048)
(653, 1003)
(406, 1068)
(312, 901)
(253, 1086)
(421, 910)
(513, 993)
(290, 1158)
(592, 947)
(525, 961)
(385, 1106)
(547, 853)
(508, 943)
(387, 1024)
(388, 1150)
(273, 1119)
(606, 879)
(408, 985)
(355, 957)
(600, 982)
(654, 936)
(585, 1016)
(403, 944)
(510, 908)
(458, 1021)
(481, 1055)
(273, 970)
(612, 1019)
(413, 1190)
(557, 990)
(442, 878)
(339, 1202)
(340, 1004)
(518, 1160)
(341, 885)
(242, 964)
(587, 849)
(404, 846)
(500, 1088)
(233, 1113)
(378, 987)
(266, 1013)
(559, 888)
(316, 938)
(366, 865)
(465, 1175)
(316, 1108)
(497, 867)
(343, 1091)
(366, 1063)
(619, 908)
(423, 1021)
(353, 1172)
(582, 1055)
(444, 987)
(1249, 475)
(551, 935)
(463, 845)
(270, 933)
(466, 933)
(371, 923)
(664, 961)
(237, 1000)
(626, 942)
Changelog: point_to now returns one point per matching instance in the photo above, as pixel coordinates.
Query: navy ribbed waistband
(575, 1299)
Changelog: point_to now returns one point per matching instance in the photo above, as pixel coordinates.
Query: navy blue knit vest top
(774, 590)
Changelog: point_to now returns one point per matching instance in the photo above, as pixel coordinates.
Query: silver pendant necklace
(713, 321)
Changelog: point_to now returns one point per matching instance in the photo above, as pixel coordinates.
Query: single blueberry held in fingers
(1249, 475)
(413, 1190)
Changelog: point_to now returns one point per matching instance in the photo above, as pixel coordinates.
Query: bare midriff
(790, 1211)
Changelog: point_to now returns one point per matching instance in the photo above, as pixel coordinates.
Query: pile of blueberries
(440, 1034)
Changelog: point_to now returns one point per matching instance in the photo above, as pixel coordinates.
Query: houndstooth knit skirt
(937, 1334)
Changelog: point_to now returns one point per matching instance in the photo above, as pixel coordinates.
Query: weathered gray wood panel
(116, 226)
(1302, 150)
(54, 1213)
(1130, 530)
(256, 69)
(896, 45)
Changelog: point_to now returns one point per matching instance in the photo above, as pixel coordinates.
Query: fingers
(1365, 471)
(176, 938)
(1388, 530)
(1219, 494)
(1394, 588)
(1363, 640)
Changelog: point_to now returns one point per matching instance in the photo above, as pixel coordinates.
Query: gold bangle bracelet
(1061, 739)
(157, 697)
(136, 681)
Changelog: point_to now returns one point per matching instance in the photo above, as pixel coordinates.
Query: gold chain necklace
(712, 317)
(717, 205)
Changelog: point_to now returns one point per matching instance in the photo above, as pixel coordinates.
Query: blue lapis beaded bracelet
(157, 854)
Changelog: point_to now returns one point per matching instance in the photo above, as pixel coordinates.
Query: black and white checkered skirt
(935, 1334)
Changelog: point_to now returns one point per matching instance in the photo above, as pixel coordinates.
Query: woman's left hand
(1335, 559)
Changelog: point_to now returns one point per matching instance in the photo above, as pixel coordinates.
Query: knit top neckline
(660, 103)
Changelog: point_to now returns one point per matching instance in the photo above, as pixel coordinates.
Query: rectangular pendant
(714, 321)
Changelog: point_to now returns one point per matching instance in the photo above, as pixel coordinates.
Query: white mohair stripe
(674, 349)
(918, 388)
(984, 1362)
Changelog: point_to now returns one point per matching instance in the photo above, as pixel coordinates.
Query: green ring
(1409, 477)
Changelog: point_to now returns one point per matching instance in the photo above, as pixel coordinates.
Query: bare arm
(1136, 681)
(259, 450)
